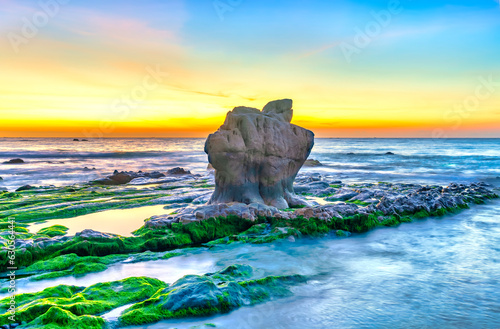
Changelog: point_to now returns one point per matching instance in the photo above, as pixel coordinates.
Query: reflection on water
(168, 270)
(118, 221)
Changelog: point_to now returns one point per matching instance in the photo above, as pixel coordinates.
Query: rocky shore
(334, 208)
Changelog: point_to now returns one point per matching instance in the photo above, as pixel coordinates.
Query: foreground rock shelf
(150, 300)
(336, 208)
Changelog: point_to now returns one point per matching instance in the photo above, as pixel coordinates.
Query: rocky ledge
(341, 200)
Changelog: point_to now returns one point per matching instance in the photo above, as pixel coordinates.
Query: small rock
(88, 233)
(389, 153)
(76, 140)
(14, 161)
(24, 188)
(178, 171)
(85, 140)
(312, 163)
(291, 238)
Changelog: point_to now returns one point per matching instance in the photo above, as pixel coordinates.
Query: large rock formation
(257, 154)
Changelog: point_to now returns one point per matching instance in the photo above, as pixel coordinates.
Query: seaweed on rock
(208, 294)
(72, 302)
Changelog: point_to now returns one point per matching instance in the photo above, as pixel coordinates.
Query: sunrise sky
(173, 68)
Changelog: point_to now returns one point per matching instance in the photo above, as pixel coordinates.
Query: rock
(257, 154)
(389, 153)
(178, 171)
(76, 140)
(312, 163)
(341, 233)
(91, 234)
(343, 195)
(1, 178)
(25, 188)
(88, 169)
(85, 140)
(124, 177)
(14, 161)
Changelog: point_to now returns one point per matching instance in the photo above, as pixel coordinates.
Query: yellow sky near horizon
(107, 77)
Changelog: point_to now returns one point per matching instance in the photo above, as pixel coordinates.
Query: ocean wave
(87, 155)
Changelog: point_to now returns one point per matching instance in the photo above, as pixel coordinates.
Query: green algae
(220, 292)
(72, 264)
(58, 318)
(93, 300)
(54, 230)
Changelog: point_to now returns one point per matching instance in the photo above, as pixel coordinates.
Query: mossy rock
(52, 231)
(96, 299)
(208, 294)
(58, 318)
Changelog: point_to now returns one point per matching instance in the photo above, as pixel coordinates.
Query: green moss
(72, 264)
(52, 231)
(82, 268)
(421, 214)
(57, 318)
(341, 233)
(169, 255)
(218, 292)
(61, 291)
(96, 299)
(358, 202)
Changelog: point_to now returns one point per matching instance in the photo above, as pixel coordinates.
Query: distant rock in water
(389, 153)
(178, 171)
(76, 140)
(85, 140)
(14, 161)
(312, 163)
(88, 169)
(124, 177)
(257, 154)
(24, 188)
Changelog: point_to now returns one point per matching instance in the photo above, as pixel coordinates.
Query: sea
(62, 161)
(433, 273)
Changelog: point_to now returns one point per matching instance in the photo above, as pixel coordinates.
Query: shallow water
(118, 221)
(167, 270)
